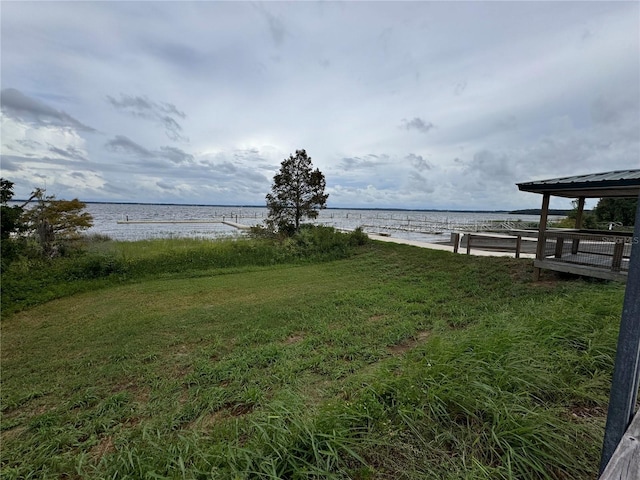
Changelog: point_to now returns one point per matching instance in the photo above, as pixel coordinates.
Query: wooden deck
(625, 462)
(594, 254)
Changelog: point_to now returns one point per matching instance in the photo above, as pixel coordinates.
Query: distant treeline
(528, 211)
(537, 211)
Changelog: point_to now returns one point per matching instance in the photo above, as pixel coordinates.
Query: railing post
(468, 244)
(618, 250)
(456, 241)
(559, 245)
(518, 245)
(626, 372)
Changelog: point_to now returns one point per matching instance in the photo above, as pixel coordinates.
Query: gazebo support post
(576, 243)
(579, 213)
(626, 372)
(541, 230)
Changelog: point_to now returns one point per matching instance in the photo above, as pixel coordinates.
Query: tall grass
(30, 281)
(395, 362)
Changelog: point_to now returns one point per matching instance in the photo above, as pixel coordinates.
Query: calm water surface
(414, 225)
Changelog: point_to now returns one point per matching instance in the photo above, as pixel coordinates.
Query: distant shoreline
(531, 211)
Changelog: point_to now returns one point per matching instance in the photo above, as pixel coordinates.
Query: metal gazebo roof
(620, 183)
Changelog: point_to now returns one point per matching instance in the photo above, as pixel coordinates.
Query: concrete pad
(447, 248)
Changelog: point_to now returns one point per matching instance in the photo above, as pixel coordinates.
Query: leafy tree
(10, 222)
(56, 224)
(588, 219)
(297, 192)
(10, 219)
(621, 210)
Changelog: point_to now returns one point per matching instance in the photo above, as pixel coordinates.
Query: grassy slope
(397, 363)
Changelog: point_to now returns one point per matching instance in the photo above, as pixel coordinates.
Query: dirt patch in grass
(11, 433)
(293, 339)
(582, 412)
(139, 393)
(241, 409)
(209, 421)
(405, 346)
(104, 447)
(375, 318)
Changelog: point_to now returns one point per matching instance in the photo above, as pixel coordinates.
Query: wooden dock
(167, 221)
(238, 226)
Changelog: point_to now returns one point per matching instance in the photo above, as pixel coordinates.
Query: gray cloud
(226, 167)
(418, 124)
(27, 143)
(277, 30)
(494, 167)
(178, 54)
(460, 87)
(175, 155)
(10, 163)
(162, 113)
(165, 185)
(509, 122)
(18, 106)
(614, 107)
(152, 158)
(418, 162)
(420, 183)
(122, 144)
(359, 163)
(71, 152)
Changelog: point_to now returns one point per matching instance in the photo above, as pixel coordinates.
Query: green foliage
(316, 241)
(56, 224)
(396, 362)
(10, 224)
(622, 210)
(589, 220)
(34, 280)
(297, 193)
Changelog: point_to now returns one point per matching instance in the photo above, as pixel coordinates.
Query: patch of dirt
(229, 410)
(239, 410)
(408, 344)
(209, 420)
(182, 370)
(293, 339)
(375, 318)
(582, 412)
(104, 447)
(139, 393)
(11, 433)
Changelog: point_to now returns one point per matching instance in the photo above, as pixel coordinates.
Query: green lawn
(396, 362)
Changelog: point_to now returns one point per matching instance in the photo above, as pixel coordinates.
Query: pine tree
(297, 192)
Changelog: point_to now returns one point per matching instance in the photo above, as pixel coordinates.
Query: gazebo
(601, 254)
(609, 255)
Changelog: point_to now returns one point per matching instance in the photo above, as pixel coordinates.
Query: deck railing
(597, 249)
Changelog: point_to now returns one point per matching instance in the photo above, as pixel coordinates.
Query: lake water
(408, 224)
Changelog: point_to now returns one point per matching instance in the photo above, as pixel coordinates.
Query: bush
(316, 241)
(358, 237)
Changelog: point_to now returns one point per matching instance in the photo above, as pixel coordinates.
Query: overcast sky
(399, 104)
